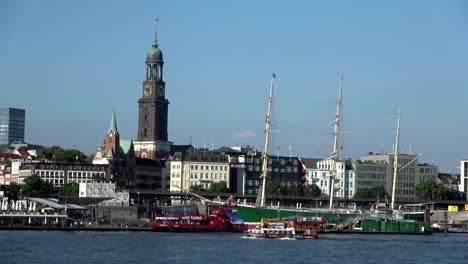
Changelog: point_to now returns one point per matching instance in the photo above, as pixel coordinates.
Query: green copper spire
(113, 124)
(155, 54)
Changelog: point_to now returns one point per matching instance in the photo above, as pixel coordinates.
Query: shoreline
(150, 229)
(72, 229)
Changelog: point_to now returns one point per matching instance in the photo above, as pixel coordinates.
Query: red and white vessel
(222, 219)
(290, 228)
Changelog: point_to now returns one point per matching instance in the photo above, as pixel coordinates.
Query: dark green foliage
(218, 187)
(35, 187)
(11, 191)
(311, 190)
(197, 189)
(215, 187)
(274, 188)
(432, 191)
(70, 189)
(371, 193)
(60, 155)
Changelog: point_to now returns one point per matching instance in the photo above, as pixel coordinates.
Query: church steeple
(113, 124)
(153, 106)
(154, 59)
(112, 141)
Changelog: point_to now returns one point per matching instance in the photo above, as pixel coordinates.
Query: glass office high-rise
(12, 121)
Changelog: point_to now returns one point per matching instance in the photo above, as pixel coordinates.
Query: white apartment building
(463, 186)
(345, 185)
(188, 170)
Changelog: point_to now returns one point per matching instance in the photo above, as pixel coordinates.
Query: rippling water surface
(225, 248)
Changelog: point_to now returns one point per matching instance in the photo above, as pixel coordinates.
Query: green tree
(311, 190)
(11, 191)
(70, 189)
(432, 191)
(60, 155)
(197, 188)
(273, 187)
(218, 187)
(35, 187)
(371, 193)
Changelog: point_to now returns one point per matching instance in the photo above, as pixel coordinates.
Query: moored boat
(290, 228)
(222, 219)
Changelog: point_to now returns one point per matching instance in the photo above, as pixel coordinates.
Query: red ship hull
(223, 220)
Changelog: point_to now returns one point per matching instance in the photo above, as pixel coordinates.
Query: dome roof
(154, 54)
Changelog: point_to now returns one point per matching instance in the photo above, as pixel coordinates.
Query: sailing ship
(252, 214)
(339, 218)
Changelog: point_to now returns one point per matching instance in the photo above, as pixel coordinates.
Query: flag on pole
(274, 75)
(76, 157)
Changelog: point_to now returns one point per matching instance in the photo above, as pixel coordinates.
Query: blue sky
(69, 63)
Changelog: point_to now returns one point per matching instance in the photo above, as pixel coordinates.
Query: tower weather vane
(156, 20)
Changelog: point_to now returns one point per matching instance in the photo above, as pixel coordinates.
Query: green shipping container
(389, 226)
(370, 225)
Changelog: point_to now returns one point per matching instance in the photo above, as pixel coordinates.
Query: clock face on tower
(147, 90)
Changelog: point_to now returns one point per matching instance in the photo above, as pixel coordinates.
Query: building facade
(376, 169)
(188, 170)
(152, 137)
(345, 180)
(60, 174)
(463, 186)
(12, 122)
(246, 168)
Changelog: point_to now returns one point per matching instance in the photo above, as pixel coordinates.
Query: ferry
(291, 228)
(222, 219)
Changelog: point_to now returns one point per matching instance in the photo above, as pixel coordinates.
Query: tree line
(34, 186)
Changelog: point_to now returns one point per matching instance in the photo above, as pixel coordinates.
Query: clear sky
(69, 63)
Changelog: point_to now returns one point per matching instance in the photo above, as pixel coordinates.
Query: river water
(226, 248)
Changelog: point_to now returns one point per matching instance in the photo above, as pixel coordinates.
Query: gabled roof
(23, 153)
(9, 156)
(447, 178)
(125, 146)
(310, 163)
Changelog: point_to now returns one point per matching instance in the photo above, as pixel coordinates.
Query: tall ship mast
(261, 192)
(395, 161)
(334, 154)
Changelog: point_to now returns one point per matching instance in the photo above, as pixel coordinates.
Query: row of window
(372, 176)
(426, 177)
(207, 167)
(405, 192)
(405, 184)
(282, 161)
(70, 173)
(370, 183)
(428, 170)
(213, 176)
(341, 193)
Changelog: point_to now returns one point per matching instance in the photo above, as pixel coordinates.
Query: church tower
(152, 140)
